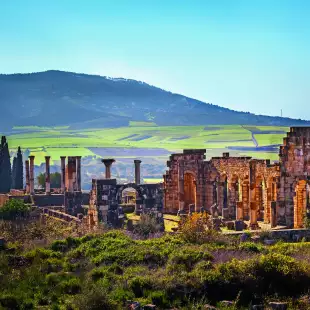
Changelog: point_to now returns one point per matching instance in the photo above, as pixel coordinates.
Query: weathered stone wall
(258, 190)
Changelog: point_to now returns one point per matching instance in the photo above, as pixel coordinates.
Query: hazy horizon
(246, 56)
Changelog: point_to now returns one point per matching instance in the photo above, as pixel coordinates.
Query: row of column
(108, 164)
(73, 173)
(29, 165)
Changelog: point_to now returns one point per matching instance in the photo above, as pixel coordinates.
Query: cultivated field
(146, 140)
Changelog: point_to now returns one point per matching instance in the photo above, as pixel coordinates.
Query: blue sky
(249, 55)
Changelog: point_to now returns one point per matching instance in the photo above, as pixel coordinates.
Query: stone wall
(250, 187)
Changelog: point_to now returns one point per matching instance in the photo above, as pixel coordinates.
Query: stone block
(278, 305)
(269, 241)
(230, 225)
(244, 237)
(239, 225)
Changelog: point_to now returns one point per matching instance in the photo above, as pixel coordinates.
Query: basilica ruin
(243, 188)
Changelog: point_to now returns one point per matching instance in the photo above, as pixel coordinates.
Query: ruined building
(242, 187)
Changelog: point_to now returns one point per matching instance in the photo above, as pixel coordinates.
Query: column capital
(108, 161)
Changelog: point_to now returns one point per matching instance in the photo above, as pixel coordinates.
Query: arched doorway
(189, 190)
(129, 196)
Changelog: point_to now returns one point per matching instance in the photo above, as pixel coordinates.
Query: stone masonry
(242, 187)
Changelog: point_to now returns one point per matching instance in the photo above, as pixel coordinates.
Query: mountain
(55, 98)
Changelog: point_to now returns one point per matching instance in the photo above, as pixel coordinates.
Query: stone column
(273, 214)
(181, 184)
(27, 177)
(78, 174)
(220, 197)
(47, 175)
(253, 215)
(239, 211)
(300, 204)
(31, 175)
(108, 163)
(63, 173)
(137, 171)
(245, 199)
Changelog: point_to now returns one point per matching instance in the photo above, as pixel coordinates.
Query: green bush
(14, 209)
(139, 285)
(71, 287)
(251, 246)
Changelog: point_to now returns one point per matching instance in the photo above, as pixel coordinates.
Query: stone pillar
(108, 163)
(181, 184)
(27, 177)
(137, 171)
(71, 174)
(31, 175)
(220, 197)
(273, 214)
(253, 215)
(239, 211)
(63, 173)
(47, 175)
(300, 204)
(245, 199)
(78, 174)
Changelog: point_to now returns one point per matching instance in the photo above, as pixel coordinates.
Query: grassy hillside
(104, 271)
(146, 140)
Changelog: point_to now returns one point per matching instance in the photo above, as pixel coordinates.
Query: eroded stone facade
(243, 187)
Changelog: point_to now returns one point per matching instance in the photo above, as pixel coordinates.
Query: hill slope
(55, 98)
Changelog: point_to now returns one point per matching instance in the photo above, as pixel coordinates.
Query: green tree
(5, 167)
(14, 173)
(19, 170)
(54, 177)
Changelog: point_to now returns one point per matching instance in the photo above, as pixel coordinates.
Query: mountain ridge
(54, 97)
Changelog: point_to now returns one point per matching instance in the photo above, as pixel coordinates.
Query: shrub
(251, 246)
(71, 287)
(94, 298)
(139, 285)
(159, 298)
(186, 258)
(147, 225)
(196, 228)
(9, 301)
(14, 209)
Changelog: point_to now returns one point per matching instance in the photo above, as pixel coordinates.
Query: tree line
(11, 176)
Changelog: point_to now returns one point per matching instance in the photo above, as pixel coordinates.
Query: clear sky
(249, 55)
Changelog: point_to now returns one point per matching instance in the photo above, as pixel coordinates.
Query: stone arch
(138, 190)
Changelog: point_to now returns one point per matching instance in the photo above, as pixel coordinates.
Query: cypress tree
(19, 176)
(5, 167)
(14, 173)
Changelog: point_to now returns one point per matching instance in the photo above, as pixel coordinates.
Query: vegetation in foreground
(104, 271)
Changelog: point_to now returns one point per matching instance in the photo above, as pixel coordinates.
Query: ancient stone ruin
(243, 188)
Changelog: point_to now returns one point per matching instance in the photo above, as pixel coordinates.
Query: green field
(41, 141)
